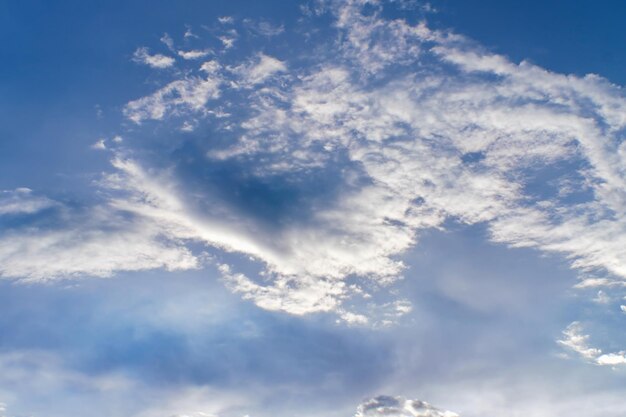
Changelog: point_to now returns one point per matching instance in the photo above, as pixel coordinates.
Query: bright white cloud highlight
(159, 61)
(575, 340)
(193, 54)
(98, 241)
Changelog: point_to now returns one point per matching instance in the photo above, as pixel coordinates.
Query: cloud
(228, 40)
(99, 145)
(159, 61)
(331, 173)
(399, 407)
(293, 294)
(179, 97)
(464, 138)
(578, 342)
(22, 201)
(93, 241)
(264, 28)
(168, 41)
(193, 54)
(260, 69)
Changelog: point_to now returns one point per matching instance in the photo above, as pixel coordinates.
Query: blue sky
(312, 208)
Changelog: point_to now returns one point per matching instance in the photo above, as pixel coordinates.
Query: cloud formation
(159, 61)
(575, 340)
(190, 94)
(22, 201)
(260, 69)
(326, 173)
(73, 242)
(399, 407)
(193, 54)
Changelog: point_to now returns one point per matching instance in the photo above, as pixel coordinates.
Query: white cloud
(99, 145)
(228, 41)
(96, 242)
(578, 342)
(168, 41)
(411, 135)
(22, 201)
(193, 54)
(189, 34)
(295, 294)
(260, 69)
(602, 298)
(159, 61)
(385, 406)
(177, 98)
(594, 282)
(210, 67)
(467, 136)
(89, 251)
(612, 359)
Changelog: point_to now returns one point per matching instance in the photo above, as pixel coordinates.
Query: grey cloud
(399, 407)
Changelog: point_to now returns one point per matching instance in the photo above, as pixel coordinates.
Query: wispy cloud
(263, 28)
(91, 241)
(193, 54)
(177, 98)
(575, 340)
(334, 169)
(259, 69)
(159, 61)
(23, 201)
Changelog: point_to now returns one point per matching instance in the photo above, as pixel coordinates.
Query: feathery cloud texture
(332, 169)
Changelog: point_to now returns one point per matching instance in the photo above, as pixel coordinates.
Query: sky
(316, 208)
